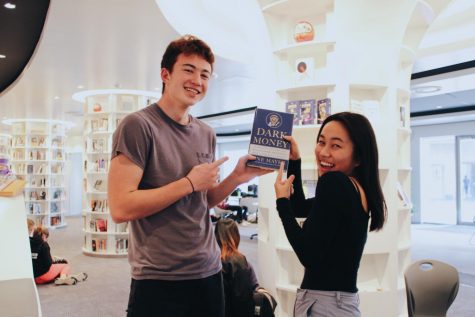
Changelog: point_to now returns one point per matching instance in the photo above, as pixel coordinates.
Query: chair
(431, 287)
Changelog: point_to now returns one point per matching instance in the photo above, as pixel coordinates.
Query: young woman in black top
(348, 195)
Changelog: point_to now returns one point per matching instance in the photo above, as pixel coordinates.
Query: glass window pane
(438, 190)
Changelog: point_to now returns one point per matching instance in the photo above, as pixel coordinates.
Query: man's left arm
(241, 174)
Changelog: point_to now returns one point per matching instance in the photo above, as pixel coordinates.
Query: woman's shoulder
(335, 183)
(334, 178)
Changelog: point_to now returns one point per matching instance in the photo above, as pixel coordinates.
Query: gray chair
(431, 287)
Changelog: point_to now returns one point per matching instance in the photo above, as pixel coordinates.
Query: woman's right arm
(300, 205)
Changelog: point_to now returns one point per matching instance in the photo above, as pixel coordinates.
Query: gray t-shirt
(176, 243)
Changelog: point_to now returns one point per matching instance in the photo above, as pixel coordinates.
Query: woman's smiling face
(334, 150)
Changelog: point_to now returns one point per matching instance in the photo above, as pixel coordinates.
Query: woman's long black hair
(365, 153)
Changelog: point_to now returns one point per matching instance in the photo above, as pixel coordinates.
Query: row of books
(98, 145)
(102, 225)
(100, 245)
(98, 225)
(310, 111)
(43, 195)
(37, 208)
(99, 205)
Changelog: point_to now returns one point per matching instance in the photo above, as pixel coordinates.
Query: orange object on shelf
(304, 31)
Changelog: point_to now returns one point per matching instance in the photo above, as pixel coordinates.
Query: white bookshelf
(38, 156)
(102, 115)
(361, 75)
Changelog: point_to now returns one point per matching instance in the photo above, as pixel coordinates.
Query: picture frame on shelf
(304, 70)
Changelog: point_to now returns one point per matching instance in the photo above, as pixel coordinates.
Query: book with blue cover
(267, 143)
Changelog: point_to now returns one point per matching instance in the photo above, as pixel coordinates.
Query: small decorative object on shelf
(304, 32)
(97, 107)
(304, 70)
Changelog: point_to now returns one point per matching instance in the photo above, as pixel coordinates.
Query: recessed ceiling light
(3, 56)
(439, 107)
(237, 130)
(80, 86)
(9, 5)
(56, 97)
(426, 89)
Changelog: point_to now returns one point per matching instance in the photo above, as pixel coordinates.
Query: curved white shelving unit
(103, 113)
(361, 76)
(38, 156)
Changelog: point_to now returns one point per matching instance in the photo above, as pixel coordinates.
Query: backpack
(264, 303)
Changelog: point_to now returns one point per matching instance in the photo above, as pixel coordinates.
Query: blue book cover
(267, 143)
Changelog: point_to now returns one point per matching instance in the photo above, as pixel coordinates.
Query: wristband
(192, 187)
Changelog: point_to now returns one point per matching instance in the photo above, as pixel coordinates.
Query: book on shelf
(99, 245)
(401, 193)
(99, 185)
(98, 145)
(304, 70)
(104, 124)
(101, 225)
(55, 220)
(34, 141)
(402, 116)
(41, 141)
(324, 107)
(29, 169)
(121, 245)
(293, 107)
(267, 143)
(307, 111)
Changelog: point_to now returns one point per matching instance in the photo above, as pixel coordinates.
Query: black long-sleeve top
(239, 282)
(40, 255)
(331, 241)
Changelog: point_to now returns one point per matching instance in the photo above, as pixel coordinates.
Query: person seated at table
(241, 211)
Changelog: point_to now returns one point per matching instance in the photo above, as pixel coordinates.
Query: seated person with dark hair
(239, 278)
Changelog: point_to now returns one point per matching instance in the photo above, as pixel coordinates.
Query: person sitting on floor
(239, 278)
(44, 270)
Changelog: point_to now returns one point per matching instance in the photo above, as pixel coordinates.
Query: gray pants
(311, 303)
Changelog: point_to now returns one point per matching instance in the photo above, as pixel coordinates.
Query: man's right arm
(127, 202)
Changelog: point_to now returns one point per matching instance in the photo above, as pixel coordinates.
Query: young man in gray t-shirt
(163, 179)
